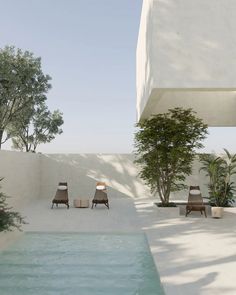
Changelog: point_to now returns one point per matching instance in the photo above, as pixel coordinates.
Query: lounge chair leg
(52, 206)
(68, 206)
(92, 206)
(205, 213)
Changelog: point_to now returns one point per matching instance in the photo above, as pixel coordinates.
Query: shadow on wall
(28, 176)
(81, 171)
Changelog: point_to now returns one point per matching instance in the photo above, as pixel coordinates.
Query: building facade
(186, 57)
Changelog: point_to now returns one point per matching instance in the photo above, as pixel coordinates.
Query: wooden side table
(81, 203)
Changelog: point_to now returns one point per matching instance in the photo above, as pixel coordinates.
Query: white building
(186, 56)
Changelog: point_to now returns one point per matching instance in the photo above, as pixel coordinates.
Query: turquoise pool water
(84, 264)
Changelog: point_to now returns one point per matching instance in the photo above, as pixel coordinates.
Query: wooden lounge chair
(195, 201)
(61, 196)
(100, 196)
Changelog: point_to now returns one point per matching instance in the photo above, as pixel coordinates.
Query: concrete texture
(21, 173)
(31, 176)
(194, 255)
(8, 238)
(186, 57)
(81, 171)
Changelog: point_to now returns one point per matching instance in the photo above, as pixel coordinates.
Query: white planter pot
(217, 212)
(168, 212)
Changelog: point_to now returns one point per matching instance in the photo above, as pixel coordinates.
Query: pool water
(84, 264)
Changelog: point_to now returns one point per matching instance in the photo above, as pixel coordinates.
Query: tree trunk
(1, 135)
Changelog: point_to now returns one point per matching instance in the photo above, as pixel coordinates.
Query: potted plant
(165, 149)
(221, 188)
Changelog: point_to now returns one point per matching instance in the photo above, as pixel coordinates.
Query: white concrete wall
(21, 172)
(81, 171)
(144, 68)
(187, 46)
(31, 176)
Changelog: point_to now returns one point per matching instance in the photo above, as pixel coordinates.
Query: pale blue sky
(88, 48)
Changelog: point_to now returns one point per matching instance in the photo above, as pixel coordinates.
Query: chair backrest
(100, 196)
(62, 183)
(195, 196)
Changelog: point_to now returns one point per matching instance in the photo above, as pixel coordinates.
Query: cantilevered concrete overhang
(186, 57)
(217, 107)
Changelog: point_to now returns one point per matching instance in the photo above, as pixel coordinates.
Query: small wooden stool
(81, 203)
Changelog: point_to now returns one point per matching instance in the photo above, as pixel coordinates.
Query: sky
(88, 47)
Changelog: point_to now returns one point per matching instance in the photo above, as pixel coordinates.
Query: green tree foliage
(220, 171)
(38, 125)
(165, 148)
(8, 219)
(22, 85)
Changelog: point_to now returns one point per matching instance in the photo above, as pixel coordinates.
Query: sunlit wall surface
(186, 56)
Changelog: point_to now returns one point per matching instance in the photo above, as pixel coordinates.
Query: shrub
(8, 219)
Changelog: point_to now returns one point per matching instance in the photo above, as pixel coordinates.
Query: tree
(37, 125)
(165, 148)
(8, 219)
(22, 84)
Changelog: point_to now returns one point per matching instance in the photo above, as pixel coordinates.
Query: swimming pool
(74, 263)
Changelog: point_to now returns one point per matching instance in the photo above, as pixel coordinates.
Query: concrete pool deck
(194, 255)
